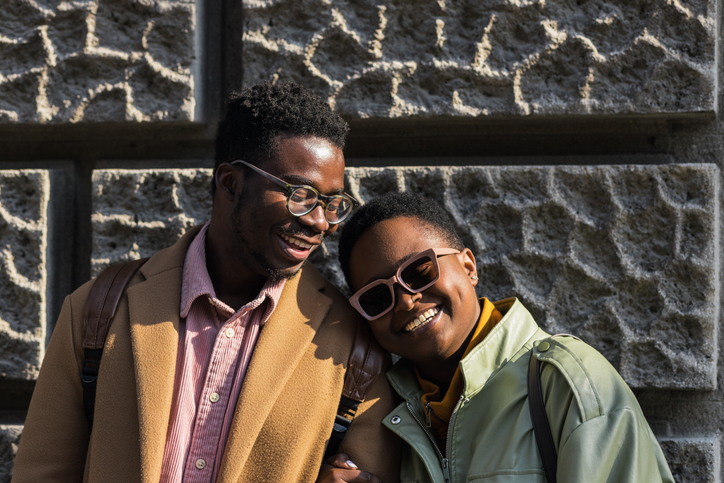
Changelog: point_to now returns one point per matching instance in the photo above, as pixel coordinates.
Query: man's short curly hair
(394, 205)
(257, 115)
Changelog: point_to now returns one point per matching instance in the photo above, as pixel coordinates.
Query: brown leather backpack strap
(100, 307)
(365, 364)
(103, 299)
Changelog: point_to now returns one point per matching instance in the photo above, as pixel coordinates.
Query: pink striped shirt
(215, 346)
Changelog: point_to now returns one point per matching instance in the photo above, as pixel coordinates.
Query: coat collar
(505, 340)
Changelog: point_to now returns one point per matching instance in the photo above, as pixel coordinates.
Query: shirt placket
(214, 401)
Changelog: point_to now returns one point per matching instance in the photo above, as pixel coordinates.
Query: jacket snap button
(395, 420)
(544, 346)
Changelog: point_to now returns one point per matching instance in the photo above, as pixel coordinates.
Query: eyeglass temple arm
(268, 176)
(283, 183)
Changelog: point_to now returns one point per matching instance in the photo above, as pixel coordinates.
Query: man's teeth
(296, 242)
(422, 319)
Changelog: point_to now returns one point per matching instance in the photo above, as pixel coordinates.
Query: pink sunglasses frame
(433, 253)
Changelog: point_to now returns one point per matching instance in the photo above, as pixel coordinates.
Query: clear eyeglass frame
(309, 198)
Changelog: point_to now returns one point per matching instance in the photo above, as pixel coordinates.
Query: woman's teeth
(422, 319)
(296, 242)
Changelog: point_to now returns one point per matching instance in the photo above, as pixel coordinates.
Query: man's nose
(316, 219)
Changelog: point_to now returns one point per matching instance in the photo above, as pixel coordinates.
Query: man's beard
(275, 274)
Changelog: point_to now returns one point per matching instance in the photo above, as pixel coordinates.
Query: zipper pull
(428, 414)
(445, 470)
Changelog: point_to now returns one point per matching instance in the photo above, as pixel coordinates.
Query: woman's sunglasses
(421, 271)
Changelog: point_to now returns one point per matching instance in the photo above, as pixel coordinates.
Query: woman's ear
(228, 180)
(467, 259)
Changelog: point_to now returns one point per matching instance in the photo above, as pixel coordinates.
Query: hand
(339, 468)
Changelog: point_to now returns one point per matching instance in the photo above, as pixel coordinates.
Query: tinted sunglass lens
(376, 300)
(419, 273)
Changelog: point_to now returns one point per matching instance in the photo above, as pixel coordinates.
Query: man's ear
(467, 259)
(228, 180)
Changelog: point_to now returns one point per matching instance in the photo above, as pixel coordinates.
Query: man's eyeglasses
(302, 199)
(418, 273)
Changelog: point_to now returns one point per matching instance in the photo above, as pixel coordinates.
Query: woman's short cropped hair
(394, 205)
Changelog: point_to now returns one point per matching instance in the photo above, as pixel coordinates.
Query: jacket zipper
(443, 460)
(450, 425)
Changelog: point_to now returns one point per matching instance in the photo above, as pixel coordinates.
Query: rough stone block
(482, 58)
(24, 196)
(138, 212)
(693, 460)
(9, 439)
(98, 60)
(626, 257)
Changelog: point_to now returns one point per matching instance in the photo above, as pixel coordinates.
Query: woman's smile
(423, 319)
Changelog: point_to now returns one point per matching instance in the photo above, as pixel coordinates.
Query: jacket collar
(514, 331)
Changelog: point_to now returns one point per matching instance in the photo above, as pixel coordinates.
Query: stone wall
(577, 145)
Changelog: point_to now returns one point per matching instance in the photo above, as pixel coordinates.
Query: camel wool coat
(283, 417)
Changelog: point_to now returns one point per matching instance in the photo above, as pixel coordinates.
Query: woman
(463, 370)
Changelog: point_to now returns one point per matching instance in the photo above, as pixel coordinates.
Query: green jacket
(598, 428)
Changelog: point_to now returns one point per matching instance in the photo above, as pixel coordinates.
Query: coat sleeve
(54, 442)
(370, 445)
(616, 447)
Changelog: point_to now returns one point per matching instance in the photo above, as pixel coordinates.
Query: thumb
(341, 460)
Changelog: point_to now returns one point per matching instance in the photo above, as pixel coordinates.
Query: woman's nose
(404, 300)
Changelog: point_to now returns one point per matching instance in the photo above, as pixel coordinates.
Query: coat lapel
(154, 310)
(282, 342)
(154, 314)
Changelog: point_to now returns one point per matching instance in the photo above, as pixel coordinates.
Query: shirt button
(229, 333)
(395, 420)
(214, 397)
(200, 464)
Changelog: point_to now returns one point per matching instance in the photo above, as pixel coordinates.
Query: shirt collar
(196, 283)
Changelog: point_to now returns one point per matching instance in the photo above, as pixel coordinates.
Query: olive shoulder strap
(541, 426)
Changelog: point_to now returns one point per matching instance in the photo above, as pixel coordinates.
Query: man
(226, 359)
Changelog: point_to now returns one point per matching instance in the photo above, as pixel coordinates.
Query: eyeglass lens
(417, 275)
(304, 200)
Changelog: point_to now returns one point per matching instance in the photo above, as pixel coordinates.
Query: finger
(351, 476)
(355, 476)
(341, 460)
